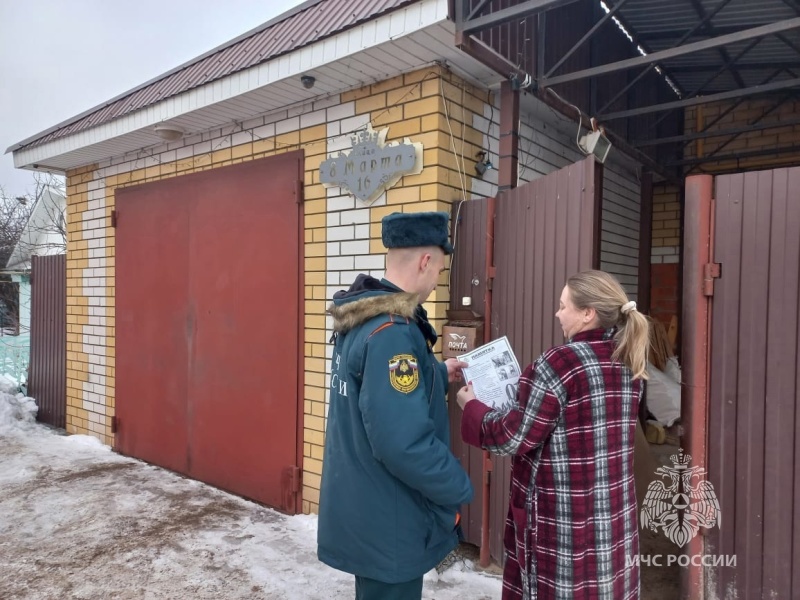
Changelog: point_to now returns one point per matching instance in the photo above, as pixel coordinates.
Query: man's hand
(465, 394)
(454, 367)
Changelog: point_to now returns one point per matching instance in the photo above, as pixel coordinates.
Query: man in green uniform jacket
(391, 488)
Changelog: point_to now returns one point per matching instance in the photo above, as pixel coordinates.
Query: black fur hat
(409, 230)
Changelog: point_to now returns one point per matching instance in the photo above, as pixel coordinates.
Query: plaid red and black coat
(572, 517)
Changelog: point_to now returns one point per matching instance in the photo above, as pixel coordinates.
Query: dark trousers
(370, 589)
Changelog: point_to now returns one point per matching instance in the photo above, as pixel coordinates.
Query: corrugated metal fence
(753, 419)
(47, 378)
(468, 280)
(545, 231)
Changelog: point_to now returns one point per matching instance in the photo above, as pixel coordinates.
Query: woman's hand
(465, 394)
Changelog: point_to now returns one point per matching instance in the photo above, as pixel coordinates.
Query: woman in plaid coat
(571, 531)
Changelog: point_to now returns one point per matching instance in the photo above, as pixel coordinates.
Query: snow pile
(8, 385)
(17, 412)
(101, 525)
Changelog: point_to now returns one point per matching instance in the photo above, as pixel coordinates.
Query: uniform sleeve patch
(404, 373)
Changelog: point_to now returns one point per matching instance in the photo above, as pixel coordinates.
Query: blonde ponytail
(603, 293)
(632, 342)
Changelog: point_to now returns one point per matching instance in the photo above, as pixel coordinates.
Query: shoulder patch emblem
(404, 373)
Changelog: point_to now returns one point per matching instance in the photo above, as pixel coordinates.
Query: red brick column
(664, 300)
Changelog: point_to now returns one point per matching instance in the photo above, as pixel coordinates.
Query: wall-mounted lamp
(308, 81)
(596, 143)
(483, 164)
(169, 133)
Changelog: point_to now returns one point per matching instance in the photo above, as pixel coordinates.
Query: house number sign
(371, 166)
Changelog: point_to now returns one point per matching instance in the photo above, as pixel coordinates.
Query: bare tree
(45, 227)
(14, 215)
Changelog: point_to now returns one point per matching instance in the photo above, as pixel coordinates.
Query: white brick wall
(348, 219)
(318, 117)
(287, 126)
(357, 247)
(93, 281)
(665, 255)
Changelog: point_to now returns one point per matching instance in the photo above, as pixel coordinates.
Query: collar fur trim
(352, 314)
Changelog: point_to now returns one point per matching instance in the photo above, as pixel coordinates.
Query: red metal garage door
(208, 326)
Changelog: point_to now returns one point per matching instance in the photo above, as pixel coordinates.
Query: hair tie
(628, 307)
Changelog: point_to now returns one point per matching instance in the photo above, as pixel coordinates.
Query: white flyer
(494, 373)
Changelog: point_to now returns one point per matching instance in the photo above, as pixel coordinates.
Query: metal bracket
(295, 480)
(526, 83)
(711, 271)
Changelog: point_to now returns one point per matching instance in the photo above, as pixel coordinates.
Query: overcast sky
(59, 58)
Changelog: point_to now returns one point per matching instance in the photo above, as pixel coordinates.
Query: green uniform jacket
(391, 488)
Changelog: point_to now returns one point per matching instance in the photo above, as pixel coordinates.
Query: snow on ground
(79, 521)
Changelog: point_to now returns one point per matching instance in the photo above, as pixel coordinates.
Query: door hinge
(298, 191)
(295, 480)
(490, 277)
(487, 470)
(711, 271)
(114, 424)
(114, 219)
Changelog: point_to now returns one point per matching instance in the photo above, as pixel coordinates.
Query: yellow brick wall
(666, 216)
(411, 105)
(666, 204)
(743, 115)
(83, 417)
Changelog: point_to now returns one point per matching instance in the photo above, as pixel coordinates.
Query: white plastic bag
(663, 395)
(673, 370)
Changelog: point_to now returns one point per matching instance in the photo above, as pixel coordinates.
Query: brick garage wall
(91, 241)
(342, 234)
(431, 106)
(732, 116)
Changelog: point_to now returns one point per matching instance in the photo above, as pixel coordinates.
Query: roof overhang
(404, 40)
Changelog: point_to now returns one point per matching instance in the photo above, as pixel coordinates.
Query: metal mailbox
(463, 333)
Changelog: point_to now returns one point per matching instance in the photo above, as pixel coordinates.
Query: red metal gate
(543, 232)
(208, 326)
(47, 370)
(749, 362)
